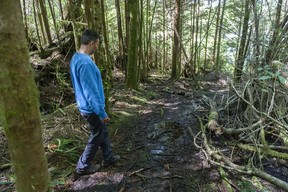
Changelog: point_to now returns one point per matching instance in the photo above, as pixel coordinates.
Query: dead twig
(172, 177)
(138, 171)
(224, 162)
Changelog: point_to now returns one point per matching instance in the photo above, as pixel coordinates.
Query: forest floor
(154, 130)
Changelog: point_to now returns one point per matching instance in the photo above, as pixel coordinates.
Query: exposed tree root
(258, 127)
(221, 160)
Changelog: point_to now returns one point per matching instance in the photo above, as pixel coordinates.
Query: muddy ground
(154, 130)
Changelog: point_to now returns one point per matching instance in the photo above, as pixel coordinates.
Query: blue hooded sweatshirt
(87, 84)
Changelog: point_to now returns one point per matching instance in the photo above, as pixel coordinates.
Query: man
(90, 99)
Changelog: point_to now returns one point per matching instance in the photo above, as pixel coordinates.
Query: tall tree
(36, 25)
(71, 10)
(19, 109)
(52, 11)
(132, 76)
(218, 66)
(164, 60)
(275, 40)
(45, 20)
(207, 36)
(39, 17)
(256, 38)
(241, 52)
(25, 19)
(61, 9)
(100, 55)
(216, 33)
(122, 52)
(175, 73)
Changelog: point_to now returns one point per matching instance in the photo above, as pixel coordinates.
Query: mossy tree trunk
(241, 52)
(132, 69)
(19, 108)
(99, 55)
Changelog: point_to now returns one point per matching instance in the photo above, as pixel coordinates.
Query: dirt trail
(156, 145)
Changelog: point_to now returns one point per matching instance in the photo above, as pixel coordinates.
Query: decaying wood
(220, 160)
(269, 152)
(213, 120)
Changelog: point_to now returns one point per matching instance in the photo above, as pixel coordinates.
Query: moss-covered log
(225, 162)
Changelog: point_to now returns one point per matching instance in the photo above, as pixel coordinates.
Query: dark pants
(98, 138)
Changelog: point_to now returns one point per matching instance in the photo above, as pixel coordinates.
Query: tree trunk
(164, 60)
(51, 7)
(45, 20)
(197, 46)
(36, 25)
(61, 9)
(207, 37)
(19, 108)
(122, 52)
(193, 46)
(37, 6)
(25, 20)
(99, 55)
(148, 50)
(73, 22)
(257, 39)
(176, 42)
(271, 52)
(132, 78)
(108, 74)
(218, 66)
(140, 40)
(241, 56)
(88, 7)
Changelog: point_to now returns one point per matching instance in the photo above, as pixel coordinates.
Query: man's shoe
(90, 170)
(112, 160)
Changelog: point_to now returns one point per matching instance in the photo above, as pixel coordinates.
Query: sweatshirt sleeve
(90, 81)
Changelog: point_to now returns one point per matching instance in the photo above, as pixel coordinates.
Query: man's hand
(106, 120)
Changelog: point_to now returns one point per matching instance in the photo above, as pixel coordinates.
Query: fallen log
(224, 162)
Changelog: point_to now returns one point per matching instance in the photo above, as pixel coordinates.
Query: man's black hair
(89, 35)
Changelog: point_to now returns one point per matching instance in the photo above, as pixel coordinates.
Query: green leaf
(282, 79)
(272, 74)
(264, 78)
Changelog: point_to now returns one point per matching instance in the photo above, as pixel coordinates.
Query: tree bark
(216, 34)
(19, 106)
(274, 43)
(73, 22)
(241, 56)
(61, 9)
(45, 20)
(257, 39)
(51, 7)
(25, 19)
(36, 25)
(176, 44)
(37, 6)
(132, 79)
(207, 37)
(218, 66)
(121, 47)
(164, 60)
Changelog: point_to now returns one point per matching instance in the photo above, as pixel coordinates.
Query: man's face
(94, 46)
